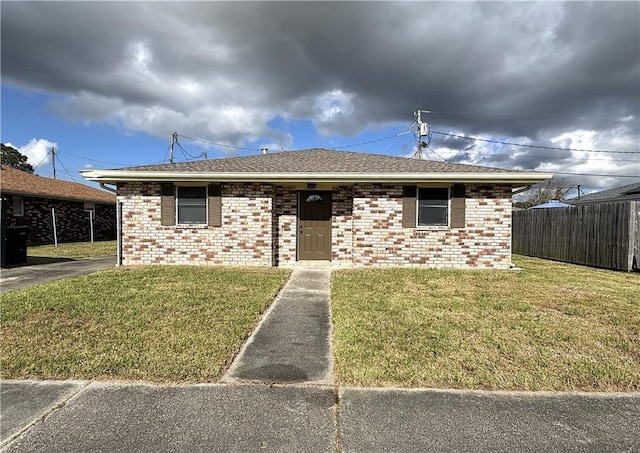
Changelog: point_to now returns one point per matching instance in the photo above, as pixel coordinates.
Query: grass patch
(551, 326)
(71, 250)
(154, 323)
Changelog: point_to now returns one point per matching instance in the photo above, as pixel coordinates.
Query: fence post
(119, 232)
(91, 223)
(55, 231)
(634, 236)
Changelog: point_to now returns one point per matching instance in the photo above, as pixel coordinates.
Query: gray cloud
(533, 71)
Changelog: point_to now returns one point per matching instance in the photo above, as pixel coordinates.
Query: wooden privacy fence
(603, 235)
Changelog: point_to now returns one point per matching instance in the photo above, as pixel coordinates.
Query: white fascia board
(114, 176)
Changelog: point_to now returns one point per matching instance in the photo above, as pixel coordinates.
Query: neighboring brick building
(352, 209)
(28, 199)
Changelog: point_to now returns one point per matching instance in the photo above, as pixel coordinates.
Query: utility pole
(423, 131)
(174, 139)
(53, 161)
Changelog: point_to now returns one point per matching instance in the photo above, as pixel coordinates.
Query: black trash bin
(15, 245)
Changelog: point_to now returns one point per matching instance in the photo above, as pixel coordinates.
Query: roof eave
(24, 193)
(115, 176)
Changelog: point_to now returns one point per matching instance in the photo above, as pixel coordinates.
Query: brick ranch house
(352, 209)
(27, 200)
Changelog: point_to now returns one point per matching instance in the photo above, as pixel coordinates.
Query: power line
(534, 146)
(500, 113)
(41, 160)
(257, 149)
(65, 168)
(184, 152)
(394, 148)
(92, 160)
(443, 159)
(105, 162)
(217, 144)
(574, 174)
(371, 141)
(551, 157)
(593, 174)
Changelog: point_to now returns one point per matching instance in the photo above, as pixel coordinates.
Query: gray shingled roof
(623, 193)
(318, 166)
(317, 161)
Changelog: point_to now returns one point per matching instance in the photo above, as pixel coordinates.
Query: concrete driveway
(23, 276)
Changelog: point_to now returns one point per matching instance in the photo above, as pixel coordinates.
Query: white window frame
(18, 206)
(428, 225)
(206, 204)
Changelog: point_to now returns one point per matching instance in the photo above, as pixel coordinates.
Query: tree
(552, 189)
(13, 158)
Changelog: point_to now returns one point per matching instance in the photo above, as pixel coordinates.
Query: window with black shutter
(192, 205)
(433, 206)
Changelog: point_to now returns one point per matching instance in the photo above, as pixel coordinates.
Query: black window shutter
(409, 195)
(458, 206)
(215, 205)
(168, 205)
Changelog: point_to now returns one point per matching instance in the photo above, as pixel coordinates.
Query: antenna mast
(53, 161)
(424, 130)
(174, 139)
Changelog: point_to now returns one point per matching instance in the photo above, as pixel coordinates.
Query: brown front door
(314, 225)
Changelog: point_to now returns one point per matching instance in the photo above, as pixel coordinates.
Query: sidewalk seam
(337, 438)
(46, 414)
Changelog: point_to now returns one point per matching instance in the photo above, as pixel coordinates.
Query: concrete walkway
(292, 343)
(102, 417)
(23, 276)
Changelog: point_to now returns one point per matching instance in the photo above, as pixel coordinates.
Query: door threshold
(313, 263)
(318, 264)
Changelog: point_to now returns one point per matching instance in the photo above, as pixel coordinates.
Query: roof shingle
(317, 160)
(18, 182)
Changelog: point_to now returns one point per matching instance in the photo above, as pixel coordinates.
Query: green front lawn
(156, 323)
(71, 250)
(551, 326)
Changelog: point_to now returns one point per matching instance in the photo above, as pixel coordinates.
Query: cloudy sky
(106, 83)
